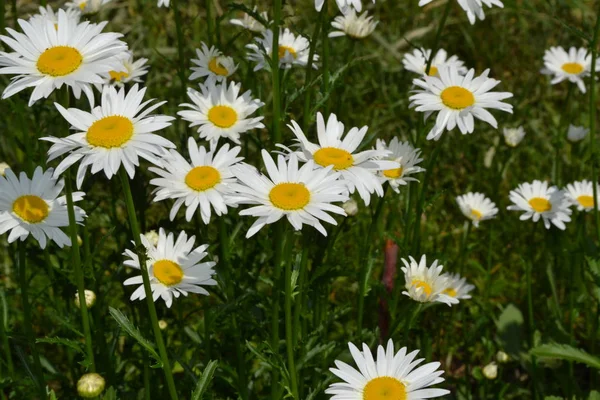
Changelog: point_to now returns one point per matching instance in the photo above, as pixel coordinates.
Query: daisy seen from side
(406, 156)
(417, 62)
(425, 284)
(212, 65)
(249, 22)
(293, 50)
(477, 207)
(473, 8)
(352, 25)
(513, 136)
(457, 287)
(581, 194)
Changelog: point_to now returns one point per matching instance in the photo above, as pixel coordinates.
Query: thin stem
(325, 40)
(421, 199)
(276, 132)
(301, 288)
(530, 316)
(463, 246)
(4, 337)
(438, 35)
(279, 232)
(135, 231)
(209, 22)
(180, 45)
(289, 341)
(558, 139)
(309, 69)
(594, 52)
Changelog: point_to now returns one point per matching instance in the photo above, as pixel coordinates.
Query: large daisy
(539, 200)
(220, 111)
(302, 195)
(119, 131)
(32, 206)
(572, 66)
(404, 154)
(47, 56)
(357, 168)
(581, 194)
(458, 100)
(174, 267)
(203, 183)
(417, 62)
(212, 65)
(390, 376)
(476, 207)
(473, 8)
(293, 50)
(426, 284)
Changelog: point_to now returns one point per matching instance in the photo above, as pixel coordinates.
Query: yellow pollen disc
(393, 173)
(433, 71)
(457, 97)
(384, 388)
(31, 208)
(59, 61)
(450, 292)
(167, 272)
(289, 196)
(215, 67)
(82, 5)
(56, 26)
(586, 201)
(118, 75)
(287, 49)
(222, 116)
(572, 68)
(202, 178)
(540, 205)
(340, 159)
(109, 132)
(422, 284)
(476, 214)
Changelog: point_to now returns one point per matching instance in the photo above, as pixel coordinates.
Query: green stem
(530, 317)
(558, 139)
(4, 336)
(594, 53)
(289, 340)
(135, 231)
(146, 361)
(438, 35)
(421, 199)
(307, 80)
(78, 272)
(276, 133)
(325, 40)
(301, 288)
(463, 247)
(209, 22)
(180, 45)
(279, 232)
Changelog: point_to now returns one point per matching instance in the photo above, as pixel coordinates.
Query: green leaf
(205, 380)
(566, 352)
(72, 344)
(594, 395)
(134, 332)
(553, 398)
(110, 394)
(510, 327)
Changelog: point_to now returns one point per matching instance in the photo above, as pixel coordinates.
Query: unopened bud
(490, 371)
(90, 299)
(3, 167)
(79, 240)
(502, 357)
(162, 324)
(152, 237)
(350, 207)
(90, 385)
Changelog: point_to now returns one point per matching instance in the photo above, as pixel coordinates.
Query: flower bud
(3, 167)
(490, 371)
(79, 241)
(502, 357)
(90, 385)
(577, 133)
(350, 207)
(162, 324)
(90, 298)
(513, 136)
(152, 237)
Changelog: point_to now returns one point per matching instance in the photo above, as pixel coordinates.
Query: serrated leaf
(566, 352)
(134, 332)
(63, 342)
(205, 380)
(110, 394)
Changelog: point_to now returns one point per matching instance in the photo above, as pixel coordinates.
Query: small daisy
(174, 267)
(293, 50)
(356, 27)
(47, 57)
(302, 195)
(581, 195)
(128, 71)
(476, 207)
(213, 65)
(573, 66)
(458, 100)
(417, 62)
(539, 200)
(343, 5)
(163, 3)
(249, 22)
(119, 131)
(473, 8)
(457, 287)
(513, 136)
(220, 111)
(203, 183)
(87, 6)
(48, 14)
(426, 284)
(390, 376)
(357, 169)
(577, 133)
(404, 154)
(31, 206)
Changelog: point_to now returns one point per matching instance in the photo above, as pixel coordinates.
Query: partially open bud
(162, 324)
(502, 357)
(3, 167)
(152, 237)
(90, 385)
(79, 240)
(90, 298)
(490, 371)
(350, 207)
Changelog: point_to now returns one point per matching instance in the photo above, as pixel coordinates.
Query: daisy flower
(356, 27)
(32, 206)
(174, 267)
(404, 154)
(163, 3)
(87, 6)
(390, 376)
(581, 194)
(302, 195)
(457, 287)
(343, 5)
(458, 100)
(128, 71)
(473, 8)
(426, 284)
(220, 111)
(47, 57)
(203, 183)
(48, 14)
(119, 131)
(539, 200)
(293, 50)
(577, 133)
(417, 62)
(476, 207)
(572, 66)
(213, 65)
(249, 22)
(513, 136)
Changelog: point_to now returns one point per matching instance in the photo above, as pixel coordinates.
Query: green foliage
(134, 332)
(205, 379)
(566, 352)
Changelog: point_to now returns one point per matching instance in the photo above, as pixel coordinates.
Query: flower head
(417, 62)
(581, 195)
(477, 207)
(353, 25)
(457, 287)
(513, 136)
(473, 8)
(573, 66)
(249, 22)
(426, 284)
(293, 50)
(540, 201)
(406, 156)
(212, 65)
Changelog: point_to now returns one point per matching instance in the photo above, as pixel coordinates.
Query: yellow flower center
(167, 272)
(31, 208)
(476, 214)
(287, 49)
(202, 178)
(340, 159)
(540, 204)
(433, 71)
(289, 196)
(384, 388)
(109, 132)
(457, 97)
(59, 61)
(450, 292)
(417, 283)
(222, 116)
(586, 201)
(118, 75)
(82, 5)
(215, 67)
(573, 68)
(393, 173)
